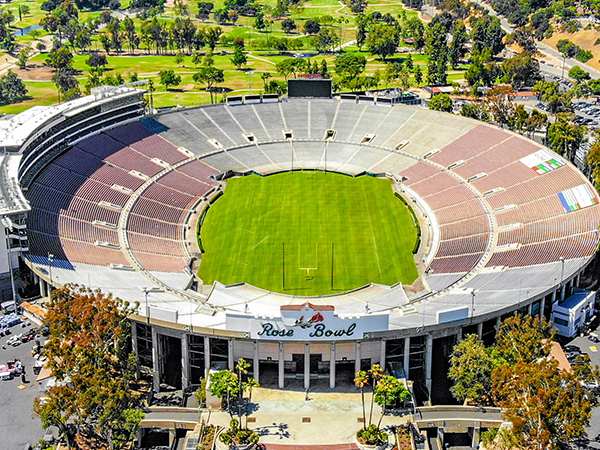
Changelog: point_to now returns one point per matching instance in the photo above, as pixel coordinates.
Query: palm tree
(361, 380)
(375, 373)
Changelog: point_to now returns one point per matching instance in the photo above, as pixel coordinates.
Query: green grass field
(286, 233)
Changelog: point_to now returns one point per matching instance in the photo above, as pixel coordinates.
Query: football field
(308, 233)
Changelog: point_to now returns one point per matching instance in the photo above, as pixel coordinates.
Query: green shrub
(238, 436)
(583, 55)
(372, 435)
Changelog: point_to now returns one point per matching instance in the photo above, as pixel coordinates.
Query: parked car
(15, 340)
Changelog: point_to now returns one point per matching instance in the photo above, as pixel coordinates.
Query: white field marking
(261, 241)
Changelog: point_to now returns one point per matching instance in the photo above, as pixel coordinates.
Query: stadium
(310, 236)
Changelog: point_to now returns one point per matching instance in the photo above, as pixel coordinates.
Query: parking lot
(593, 350)
(587, 113)
(18, 425)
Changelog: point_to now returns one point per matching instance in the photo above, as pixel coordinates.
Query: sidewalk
(286, 418)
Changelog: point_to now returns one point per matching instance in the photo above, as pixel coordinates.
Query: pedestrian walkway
(311, 447)
(289, 420)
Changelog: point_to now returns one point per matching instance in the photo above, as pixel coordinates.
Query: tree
(23, 56)
(288, 25)
(487, 33)
(547, 408)
(169, 78)
(224, 385)
(567, 49)
(60, 58)
(349, 67)
(12, 88)
(536, 122)
(210, 76)
(471, 368)
(281, 8)
(592, 159)
(498, 101)
(97, 62)
(66, 83)
(114, 30)
(311, 27)
(59, 18)
(382, 40)
(521, 70)
(362, 23)
(370, 433)
(264, 76)
(95, 397)
(326, 40)
(441, 102)
(457, 48)
(157, 4)
(565, 137)
(418, 74)
(212, 35)
(204, 10)
(131, 36)
(390, 391)
(361, 381)
(474, 111)
(437, 51)
(259, 21)
(550, 93)
(239, 58)
(220, 16)
(392, 72)
(578, 74)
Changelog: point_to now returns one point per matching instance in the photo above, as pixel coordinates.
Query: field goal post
(309, 271)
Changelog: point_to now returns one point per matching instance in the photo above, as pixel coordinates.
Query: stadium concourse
(106, 196)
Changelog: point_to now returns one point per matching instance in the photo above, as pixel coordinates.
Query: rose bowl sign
(308, 322)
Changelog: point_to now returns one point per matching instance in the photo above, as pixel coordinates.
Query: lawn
(308, 233)
(189, 93)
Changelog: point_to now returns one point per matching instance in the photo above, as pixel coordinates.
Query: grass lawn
(237, 82)
(40, 93)
(279, 233)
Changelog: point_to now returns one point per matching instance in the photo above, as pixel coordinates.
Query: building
(109, 198)
(571, 315)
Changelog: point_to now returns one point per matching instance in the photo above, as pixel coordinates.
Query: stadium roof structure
(17, 130)
(507, 220)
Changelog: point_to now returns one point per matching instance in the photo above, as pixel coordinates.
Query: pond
(26, 30)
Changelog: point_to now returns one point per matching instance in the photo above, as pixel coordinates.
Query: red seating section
(77, 202)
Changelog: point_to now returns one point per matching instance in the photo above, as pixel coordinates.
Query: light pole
(8, 226)
(472, 303)
(50, 261)
(146, 291)
(562, 277)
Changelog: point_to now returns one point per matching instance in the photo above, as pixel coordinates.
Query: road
(548, 52)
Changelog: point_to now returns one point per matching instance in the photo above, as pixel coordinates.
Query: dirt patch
(35, 72)
(585, 39)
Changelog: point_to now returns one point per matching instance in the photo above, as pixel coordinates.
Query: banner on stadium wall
(308, 322)
(576, 198)
(543, 161)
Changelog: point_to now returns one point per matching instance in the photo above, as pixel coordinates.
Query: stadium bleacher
(491, 208)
